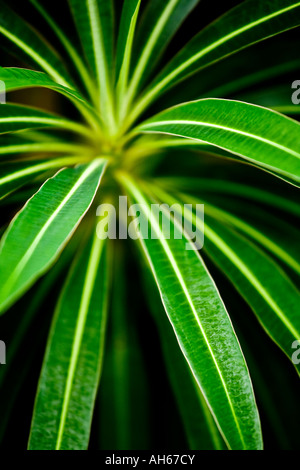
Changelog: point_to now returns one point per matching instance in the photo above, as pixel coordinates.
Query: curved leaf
(263, 284)
(18, 78)
(248, 23)
(16, 118)
(69, 47)
(201, 430)
(15, 175)
(202, 327)
(24, 37)
(266, 288)
(94, 22)
(38, 233)
(73, 361)
(256, 134)
(159, 23)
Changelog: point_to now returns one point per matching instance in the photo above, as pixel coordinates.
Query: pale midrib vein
(91, 273)
(67, 45)
(40, 147)
(214, 432)
(57, 77)
(36, 168)
(98, 46)
(217, 126)
(258, 236)
(149, 47)
(231, 36)
(73, 126)
(124, 70)
(97, 39)
(165, 81)
(138, 196)
(251, 278)
(246, 271)
(25, 259)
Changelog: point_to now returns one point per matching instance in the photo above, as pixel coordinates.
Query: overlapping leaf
(38, 233)
(73, 362)
(33, 45)
(263, 284)
(257, 134)
(203, 329)
(201, 430)
(16, 118)
(248, 23)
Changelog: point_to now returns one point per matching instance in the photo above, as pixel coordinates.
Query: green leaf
(69, 47)
(214, 187)
(272, 233)
(160, 22)
(237, 73)
(38, 233)
(24, 37)
(259, 135)
(17, 78)
(94, 21)
(278, 237)
(248, 23)
(10, 148)
(16, 118)
(202, 327)
(263, 284)
(201, 430)
(129, 17)
(267, 289)
(17, 174)
(73, 361)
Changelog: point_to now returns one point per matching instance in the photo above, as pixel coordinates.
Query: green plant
(129, 133)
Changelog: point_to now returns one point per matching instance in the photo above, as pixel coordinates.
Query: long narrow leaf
(16, 118)
(125, 40)
(37, 234)
(73, 361)
(124, 393)
(264, 285)
(16, 174)
(248, 23)
(201, 430)
(257, 134)
(24, 37)
(69, 47)
(94, 21)
(162, 19)
(203, 329)
(267, 289)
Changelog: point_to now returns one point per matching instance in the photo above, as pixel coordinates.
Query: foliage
(143, 112)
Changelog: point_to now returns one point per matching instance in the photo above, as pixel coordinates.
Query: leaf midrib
(238, 262)
(90, 277)
(26, 258)
(176, 269)
(153, 92)
(32, 53)
(217, 126)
